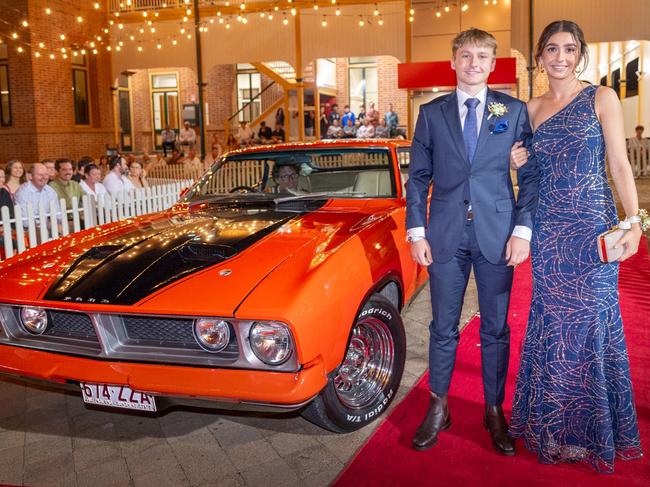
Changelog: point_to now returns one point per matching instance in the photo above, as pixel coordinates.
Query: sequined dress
(573, 400)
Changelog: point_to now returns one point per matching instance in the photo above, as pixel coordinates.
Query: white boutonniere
(497, 110)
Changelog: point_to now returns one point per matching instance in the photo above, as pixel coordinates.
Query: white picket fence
(28, 229)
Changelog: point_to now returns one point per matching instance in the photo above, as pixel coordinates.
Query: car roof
(324, 144)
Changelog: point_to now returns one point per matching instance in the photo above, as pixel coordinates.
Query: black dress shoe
(495, 422)
(437, 419)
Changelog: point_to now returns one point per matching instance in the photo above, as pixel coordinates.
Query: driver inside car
(288, 180)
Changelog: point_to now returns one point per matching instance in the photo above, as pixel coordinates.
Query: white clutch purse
(606, 242)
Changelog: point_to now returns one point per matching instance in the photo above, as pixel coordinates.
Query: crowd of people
(51, 180)
(335, 124)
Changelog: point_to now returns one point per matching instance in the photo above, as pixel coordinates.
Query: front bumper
(224, 388)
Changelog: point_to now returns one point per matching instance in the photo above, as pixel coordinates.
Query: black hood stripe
(129, 268)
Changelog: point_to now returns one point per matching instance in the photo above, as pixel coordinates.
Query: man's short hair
(114, 161)
(47, 161)
(639, 127)
(62, 160)
(474, 36)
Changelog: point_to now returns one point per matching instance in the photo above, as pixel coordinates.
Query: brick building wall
(387, 86)
(141, 102)
(41, 88)
(220, 89)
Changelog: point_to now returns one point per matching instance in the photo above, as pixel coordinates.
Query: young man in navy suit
(461, 151)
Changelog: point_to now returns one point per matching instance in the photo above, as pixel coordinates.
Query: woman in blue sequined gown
(573, 400)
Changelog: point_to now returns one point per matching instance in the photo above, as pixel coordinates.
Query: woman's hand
(518, 155)
(631, 242)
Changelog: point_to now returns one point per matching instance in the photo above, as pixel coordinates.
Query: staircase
(283, 75)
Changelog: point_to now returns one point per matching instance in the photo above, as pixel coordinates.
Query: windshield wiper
(323, 194)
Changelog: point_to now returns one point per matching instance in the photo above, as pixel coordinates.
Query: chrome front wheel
(361, 388)
(368, 364)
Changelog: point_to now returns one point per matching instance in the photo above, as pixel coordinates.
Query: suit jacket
(439, 158)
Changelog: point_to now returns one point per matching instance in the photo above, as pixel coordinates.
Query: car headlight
(271, 342)
(212, 334)
(34, 320)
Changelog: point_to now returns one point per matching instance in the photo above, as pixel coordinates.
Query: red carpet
(463, 455)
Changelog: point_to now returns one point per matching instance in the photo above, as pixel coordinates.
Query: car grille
(162, 339)
(71, 325)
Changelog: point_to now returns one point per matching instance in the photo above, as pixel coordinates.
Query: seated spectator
(373, 115)
(216, 144)
(66, 189)
(103, 164)
(116, 180)
(211, 158)
(278, 135)
(51, 171)
(148, 163)
(79, 170)
(264, 134)
(382, 131)
(187, 137)
(392, 120)
(366, 131)
(5, 196)
(168, 137)
(231, 143)
(175, 158)
(192, 166)
(36, 192)
(91, 183)
(347, 115)
(137, 175)
(14, 176)
(245, 135)
(362, 113)
(349, 131)
(334, 115)
(334, 131)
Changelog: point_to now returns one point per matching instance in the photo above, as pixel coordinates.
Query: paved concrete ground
(49, 438)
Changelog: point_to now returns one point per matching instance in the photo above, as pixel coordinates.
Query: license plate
(117, 397)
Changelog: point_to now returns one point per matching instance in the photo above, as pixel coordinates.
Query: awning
(439, 73)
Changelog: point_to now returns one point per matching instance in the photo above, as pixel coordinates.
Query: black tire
(338, 407)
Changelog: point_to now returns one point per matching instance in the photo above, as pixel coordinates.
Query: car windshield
(342, 173)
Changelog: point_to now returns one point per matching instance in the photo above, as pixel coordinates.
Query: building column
(300, 86)
(116, 116)
(408, 57)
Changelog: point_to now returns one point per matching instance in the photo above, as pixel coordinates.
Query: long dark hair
(563, 26)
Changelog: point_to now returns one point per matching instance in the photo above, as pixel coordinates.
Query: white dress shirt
(115, 184)
(519, 230)
(480, 108)
(99, 189)
(28, 194)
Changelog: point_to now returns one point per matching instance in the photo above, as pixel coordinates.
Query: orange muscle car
(275, 283)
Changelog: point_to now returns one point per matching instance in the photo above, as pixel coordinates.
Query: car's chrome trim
(113, 344)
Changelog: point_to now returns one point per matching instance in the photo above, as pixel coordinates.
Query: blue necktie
(470, 130)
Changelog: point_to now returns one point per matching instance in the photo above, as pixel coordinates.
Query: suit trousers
(448, 282)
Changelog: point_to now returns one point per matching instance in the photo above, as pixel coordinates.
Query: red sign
(439, 73)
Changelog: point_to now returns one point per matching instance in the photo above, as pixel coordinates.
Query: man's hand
(517, 250)
(421, 252)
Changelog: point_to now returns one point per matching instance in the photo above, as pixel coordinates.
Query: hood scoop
(141, 261)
